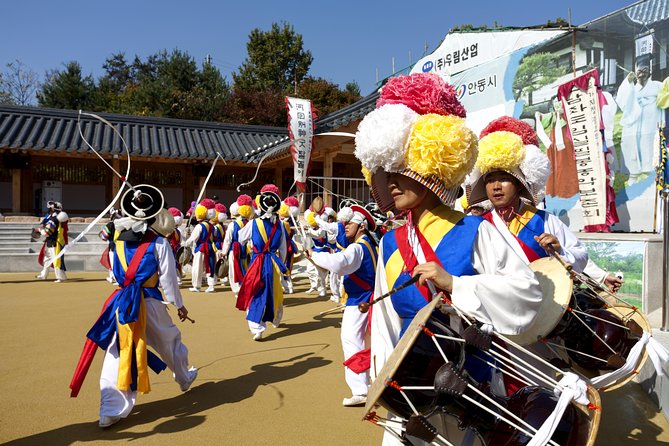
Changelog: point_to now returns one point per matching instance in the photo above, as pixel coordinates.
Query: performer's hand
(182, 313)
(631, 76)
(307, 252)
(436, 274)
(613, 283)
(549, 242)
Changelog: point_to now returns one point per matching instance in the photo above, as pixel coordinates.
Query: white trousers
(164, 338)
(111, 278)
(316, 277)
(234, 286)
(197, 270)
(353, 329)
(261, 327)
(335, 284)
(50, 253)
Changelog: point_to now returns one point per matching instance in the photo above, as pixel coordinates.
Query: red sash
(252, 282)
(529, 252)
(410, 260)
(104, 258)
(88, 352)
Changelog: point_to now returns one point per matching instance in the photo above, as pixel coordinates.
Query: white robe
(640, 121)
(504, 294)
(572, 249)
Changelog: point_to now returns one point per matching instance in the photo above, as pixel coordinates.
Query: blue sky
(350, 40)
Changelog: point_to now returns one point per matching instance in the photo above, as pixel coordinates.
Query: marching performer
(511, 172)
(108, 234)
(357, 264)
(174, 239)
(319, 237)
(54, 228)
(288, 212)
(200, 240)
(260, 294)
(337, 241)
(219, 234)
(135, 315)
(416, 150)
(240, 211)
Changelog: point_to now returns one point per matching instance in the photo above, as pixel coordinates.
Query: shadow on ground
(181, 412)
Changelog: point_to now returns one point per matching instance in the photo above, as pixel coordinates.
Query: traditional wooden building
(42, 157)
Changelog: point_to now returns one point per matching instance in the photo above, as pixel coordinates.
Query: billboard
(518, 73)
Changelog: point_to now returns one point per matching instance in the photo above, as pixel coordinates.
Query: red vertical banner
(301, 130)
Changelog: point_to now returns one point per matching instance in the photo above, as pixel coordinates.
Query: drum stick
(304, 237)
(192, 321)
(332, 310)
(364, 306)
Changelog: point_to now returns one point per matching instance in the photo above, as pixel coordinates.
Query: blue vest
(366, 273)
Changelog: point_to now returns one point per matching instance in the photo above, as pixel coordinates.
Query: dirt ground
(284, 390)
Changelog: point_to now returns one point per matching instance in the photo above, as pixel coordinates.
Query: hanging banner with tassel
(301, 119)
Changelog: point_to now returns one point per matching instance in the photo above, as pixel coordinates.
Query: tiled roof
(55, 131)
(648, 12)
(348, 114)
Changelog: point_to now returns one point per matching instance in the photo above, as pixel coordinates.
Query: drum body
(410, 385)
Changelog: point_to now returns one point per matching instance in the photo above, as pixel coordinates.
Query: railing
(336, 190)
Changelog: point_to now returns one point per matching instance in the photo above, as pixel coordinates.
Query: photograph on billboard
(519, 72)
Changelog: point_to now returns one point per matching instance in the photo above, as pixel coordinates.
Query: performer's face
(501, 189)
(406, 192)
(352, 231)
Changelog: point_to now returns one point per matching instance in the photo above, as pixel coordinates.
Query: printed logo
(427, 66)
(460, 91)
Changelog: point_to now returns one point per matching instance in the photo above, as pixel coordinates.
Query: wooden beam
(278, 179)
(115, 180)
(16, 190)
(327, 173)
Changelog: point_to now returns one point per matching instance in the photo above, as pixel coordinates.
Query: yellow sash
(276, 277)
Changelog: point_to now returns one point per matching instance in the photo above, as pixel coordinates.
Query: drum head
(317, 205)
(221, 267)
(556, 286)
(397, 356)
(184, 255)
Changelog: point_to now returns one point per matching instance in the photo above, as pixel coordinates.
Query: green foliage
(534, 72)
(67, 89)
(276, 60)
(606, 256)
(172, 85)
(325, 96)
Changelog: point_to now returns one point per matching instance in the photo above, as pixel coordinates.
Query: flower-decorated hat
(269, 200)
(178, 216)
(418, 130)
(510, 145)
(245, 206)
(222, 212)
(205, 210)
(293, 206)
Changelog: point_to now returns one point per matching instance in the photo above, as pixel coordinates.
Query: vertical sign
(580, 99)
(301, 131)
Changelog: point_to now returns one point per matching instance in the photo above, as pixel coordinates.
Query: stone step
(16, 250)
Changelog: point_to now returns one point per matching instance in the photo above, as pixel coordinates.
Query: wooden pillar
(189, 194)
(116, 183)
(278, 179)
(328, 161)
(16, 190)
(200, 185)
(27, 196)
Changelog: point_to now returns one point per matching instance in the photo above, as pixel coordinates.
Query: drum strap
(409, 256)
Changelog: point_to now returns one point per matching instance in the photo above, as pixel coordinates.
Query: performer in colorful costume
(54, 228)
(289, 212)
(260, 294)
(108, 234)
(357, 264)
(175, 238)
(337, 241)
(319, 240)
(511, 172)
(416, 150)
(241, 212)
(219, 234)
(203, 257)
(135, 315)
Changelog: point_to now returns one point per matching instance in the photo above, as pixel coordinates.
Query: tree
(18, 84)
(67, 89)
(276, 60)
(325, 96)
(263, 107)
(534, 72)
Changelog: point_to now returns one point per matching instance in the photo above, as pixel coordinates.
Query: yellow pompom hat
(418, 130)
(510, 145)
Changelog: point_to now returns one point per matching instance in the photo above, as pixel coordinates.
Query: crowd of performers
(419, 157)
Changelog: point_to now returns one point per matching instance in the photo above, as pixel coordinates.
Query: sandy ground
(284, 390)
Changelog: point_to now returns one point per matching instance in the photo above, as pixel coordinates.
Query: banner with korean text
(301, 130)
(580, 101)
